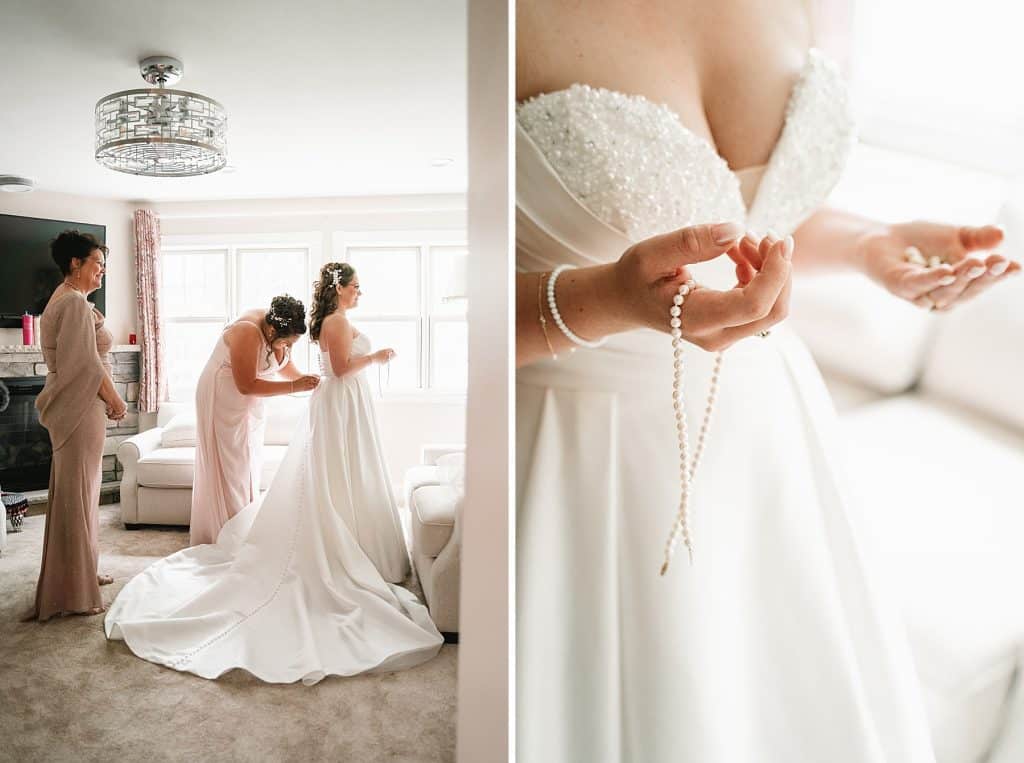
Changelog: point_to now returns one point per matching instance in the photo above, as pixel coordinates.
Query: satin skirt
(296, 586)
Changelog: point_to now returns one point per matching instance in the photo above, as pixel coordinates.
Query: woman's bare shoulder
(335, 323)
(244, 331)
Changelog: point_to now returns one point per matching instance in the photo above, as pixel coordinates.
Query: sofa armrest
(139, 445)
(445, 575)
(128, 453)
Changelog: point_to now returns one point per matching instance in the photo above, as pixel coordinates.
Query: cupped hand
(967, 264)
(384, 355)
(652, 271)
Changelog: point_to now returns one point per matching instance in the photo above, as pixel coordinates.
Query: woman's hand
(712, 320)
(305, 383)
(117, 409)
(384, 355)
(965, 271)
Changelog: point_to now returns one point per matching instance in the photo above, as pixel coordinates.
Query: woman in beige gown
(75, 402)
(229, 410)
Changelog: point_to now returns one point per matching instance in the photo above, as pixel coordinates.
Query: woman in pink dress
(229, 409)
(74, 406)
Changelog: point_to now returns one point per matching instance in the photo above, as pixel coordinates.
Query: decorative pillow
(452, 471)
(854, 328)
(180, 431)
(978, 355)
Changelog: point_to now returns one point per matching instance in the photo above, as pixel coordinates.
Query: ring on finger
(764, 333)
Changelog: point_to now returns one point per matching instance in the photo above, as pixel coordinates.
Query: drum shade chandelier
(161, 132)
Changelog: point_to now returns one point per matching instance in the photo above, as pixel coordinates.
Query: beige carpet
(66, 693)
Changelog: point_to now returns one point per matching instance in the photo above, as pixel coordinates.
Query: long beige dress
(75, 346)
(229, 443)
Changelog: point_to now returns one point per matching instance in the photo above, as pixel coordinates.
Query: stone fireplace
(25, 446)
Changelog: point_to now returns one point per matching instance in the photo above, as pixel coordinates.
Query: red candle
(131, 339)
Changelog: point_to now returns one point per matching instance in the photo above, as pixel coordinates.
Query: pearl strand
(687, 467)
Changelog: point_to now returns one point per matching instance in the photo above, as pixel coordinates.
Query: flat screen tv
(28, 275)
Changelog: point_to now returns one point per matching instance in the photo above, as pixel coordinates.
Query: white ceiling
(324, 97)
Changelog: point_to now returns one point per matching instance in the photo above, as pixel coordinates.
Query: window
(939, 131)
(414, 301)
(205, 286)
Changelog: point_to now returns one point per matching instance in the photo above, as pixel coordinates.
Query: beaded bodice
(637, 168)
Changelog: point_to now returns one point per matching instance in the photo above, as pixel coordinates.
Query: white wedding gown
(294, 588)
(773, 646)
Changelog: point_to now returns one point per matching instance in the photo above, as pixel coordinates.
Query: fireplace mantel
(35, 349)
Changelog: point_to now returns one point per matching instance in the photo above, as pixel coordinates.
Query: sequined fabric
(636, 167)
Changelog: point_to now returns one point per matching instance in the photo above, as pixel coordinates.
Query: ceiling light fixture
(161, 132)
(16, 184)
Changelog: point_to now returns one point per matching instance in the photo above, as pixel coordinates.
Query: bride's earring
(687, 467)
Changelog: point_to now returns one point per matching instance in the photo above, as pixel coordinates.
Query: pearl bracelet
(557, 316)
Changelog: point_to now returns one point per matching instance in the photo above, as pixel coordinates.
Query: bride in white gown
(773, 645)
(296, 586)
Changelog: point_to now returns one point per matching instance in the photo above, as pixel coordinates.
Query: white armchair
(159, 464)
(932, 413)
(434, 495)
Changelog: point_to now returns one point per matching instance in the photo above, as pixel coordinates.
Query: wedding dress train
(774, 645)
(294, 588)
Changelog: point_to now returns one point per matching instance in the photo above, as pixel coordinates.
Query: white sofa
(932, 409)
(159, 464)
(434, 493)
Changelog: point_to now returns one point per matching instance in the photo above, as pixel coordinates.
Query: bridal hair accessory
(340, 273)
(557, 316)
(540, 314)
(687, 467)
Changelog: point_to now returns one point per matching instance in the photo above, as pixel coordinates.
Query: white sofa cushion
(167, 467)
(945, 524)
(451, 469)
(855, 328)
(418, 476)
(978, 355)
(433, 518)
(175, 467)
(180, 431)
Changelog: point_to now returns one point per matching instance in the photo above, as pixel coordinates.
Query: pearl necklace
(687, 467)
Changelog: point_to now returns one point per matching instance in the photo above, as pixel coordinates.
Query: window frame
(424, 240)
(230, 245)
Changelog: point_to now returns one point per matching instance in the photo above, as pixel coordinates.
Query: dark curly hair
(287, 316)
(73, 244)
(325, 295)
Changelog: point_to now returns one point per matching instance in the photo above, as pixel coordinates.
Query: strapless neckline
(813, 54)
(634, 164)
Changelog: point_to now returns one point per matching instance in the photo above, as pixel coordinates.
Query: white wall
(117, 216)
(487, 592)
(406, 423)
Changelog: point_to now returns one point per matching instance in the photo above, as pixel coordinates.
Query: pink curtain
(153, 384)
